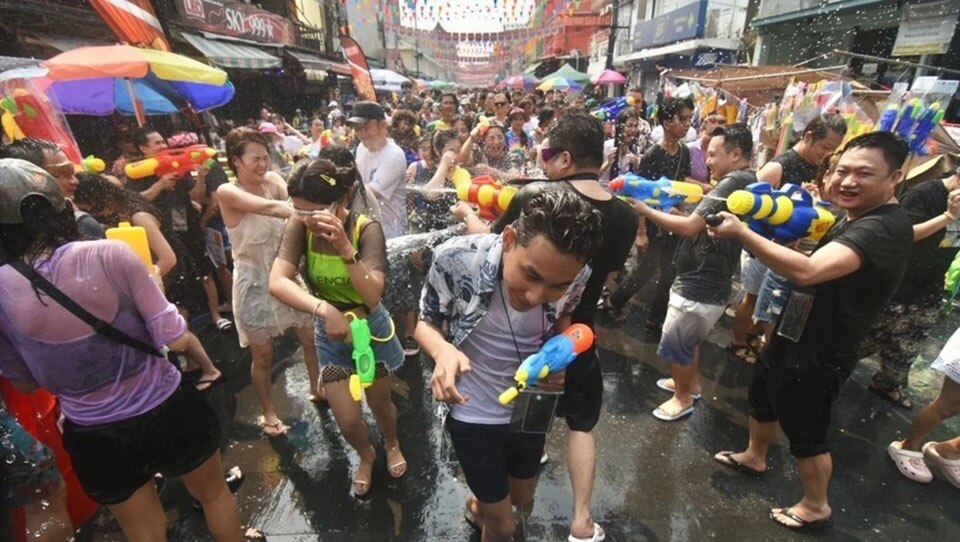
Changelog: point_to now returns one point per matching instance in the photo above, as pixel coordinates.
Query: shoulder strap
(358, 225)
(97, 324)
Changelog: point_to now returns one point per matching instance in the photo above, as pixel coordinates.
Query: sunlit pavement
(655, 480)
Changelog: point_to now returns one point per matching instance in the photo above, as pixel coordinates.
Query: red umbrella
(608, 77)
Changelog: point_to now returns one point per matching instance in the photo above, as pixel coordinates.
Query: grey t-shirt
(494, 360)
(704, 265)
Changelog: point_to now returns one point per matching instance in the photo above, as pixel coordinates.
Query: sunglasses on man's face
(547, 153)
(500, 104)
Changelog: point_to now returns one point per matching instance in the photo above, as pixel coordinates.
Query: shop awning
(822, 8)
(339, 68)
(63, 43)
(308, 61)
(233, 55)
(679, 48)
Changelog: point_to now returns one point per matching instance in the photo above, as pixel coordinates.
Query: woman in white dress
(254, 210)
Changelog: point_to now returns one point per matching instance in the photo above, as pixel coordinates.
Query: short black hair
(893, 147)
(546, 113)
(449, 95)
(672, 107)
(581, 135)
(736, 136)
(570, 223)
(141, 135)
(822, 125)
(30, 149)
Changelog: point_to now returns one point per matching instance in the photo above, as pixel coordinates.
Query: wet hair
(440, 140)
(30, 149)
(43, 228)
(736, 136)
(546, 113)
(106, 200)
(822, 125)
(468, 120)
(141, 135)
(673, 106)
(456, 101)
(571, 224)
(581, 135)
(893, 147)
(619, 133)
(320, 181)
(237, 141)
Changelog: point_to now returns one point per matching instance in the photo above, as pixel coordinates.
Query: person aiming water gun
(786, 215)
(492, 197)
(662, 194)
(552, 358)
(171, 161)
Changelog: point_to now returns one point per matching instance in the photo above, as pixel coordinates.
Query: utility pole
(614, 27)
(416, 39)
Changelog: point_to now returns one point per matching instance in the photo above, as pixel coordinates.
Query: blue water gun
(611, 110)
(888, 119)
(785, 215)
(552, 358)
(908, 118)
(927, 122)
(663, 194)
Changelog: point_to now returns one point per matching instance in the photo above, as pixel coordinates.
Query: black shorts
(488, 454)
(800, 400)
(113, 460)
(582, 392)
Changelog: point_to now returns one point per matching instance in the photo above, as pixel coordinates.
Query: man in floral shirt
(500, 297)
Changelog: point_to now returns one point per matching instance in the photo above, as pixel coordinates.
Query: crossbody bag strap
(97, 324)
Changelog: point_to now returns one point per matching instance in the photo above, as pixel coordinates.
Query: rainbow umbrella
(101, 80)
(558, 83)
(520, 81)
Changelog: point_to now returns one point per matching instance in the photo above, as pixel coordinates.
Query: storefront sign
(708, 58)
(926, 28)
(237, 20)
(686, 23)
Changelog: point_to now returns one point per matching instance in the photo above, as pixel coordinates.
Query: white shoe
(598, 536)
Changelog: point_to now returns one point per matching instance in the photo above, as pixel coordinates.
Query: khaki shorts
(686, 326)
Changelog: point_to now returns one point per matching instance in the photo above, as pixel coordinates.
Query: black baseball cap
(366, 111)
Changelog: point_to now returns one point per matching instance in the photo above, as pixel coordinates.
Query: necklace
(506, 312)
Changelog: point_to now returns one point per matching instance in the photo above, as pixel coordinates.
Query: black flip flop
(802, 524)
(471, 521)
(732, 463)
(213, 382)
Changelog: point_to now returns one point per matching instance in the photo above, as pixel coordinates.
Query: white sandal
(909, 463)
(598, 535)
(949, 467)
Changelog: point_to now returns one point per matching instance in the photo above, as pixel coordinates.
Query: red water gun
(35, 118)
(176, 161)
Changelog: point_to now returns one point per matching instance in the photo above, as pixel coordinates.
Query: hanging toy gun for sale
(912, 122)
(552, 358)
(492, 197)
(176, 161)
(785, 215)
(663, 194)
(364, 360)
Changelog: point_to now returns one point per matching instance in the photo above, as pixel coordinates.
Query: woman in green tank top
(344, 255)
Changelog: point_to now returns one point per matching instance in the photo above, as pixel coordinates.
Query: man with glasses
(382, 165)
(48, 156)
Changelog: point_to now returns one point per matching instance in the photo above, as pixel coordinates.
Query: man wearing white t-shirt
(382, 166)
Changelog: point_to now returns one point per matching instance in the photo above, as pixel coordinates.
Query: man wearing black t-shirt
(842, 287)
(574, 157)
(704, 268)
(903, 324)
(671, 159)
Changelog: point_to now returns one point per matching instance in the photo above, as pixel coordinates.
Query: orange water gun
(492, 197)
(171, 161)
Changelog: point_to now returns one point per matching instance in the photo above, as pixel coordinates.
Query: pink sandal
(909, 463)
(949, 467)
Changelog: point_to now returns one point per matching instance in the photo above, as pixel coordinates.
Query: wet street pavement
(655, 480)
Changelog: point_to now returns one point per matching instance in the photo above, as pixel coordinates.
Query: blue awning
(822, 9)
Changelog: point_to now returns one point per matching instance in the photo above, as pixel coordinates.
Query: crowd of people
(345, 225)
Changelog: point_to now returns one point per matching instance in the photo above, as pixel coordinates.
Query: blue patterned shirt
(460, 285)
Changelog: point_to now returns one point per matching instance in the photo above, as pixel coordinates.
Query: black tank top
(796, 170)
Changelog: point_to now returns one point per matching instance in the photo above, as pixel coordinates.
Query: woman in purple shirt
(127, 414)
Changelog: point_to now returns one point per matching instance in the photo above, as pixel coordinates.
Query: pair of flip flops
(663, 415)
(801, 524)
(224, 325)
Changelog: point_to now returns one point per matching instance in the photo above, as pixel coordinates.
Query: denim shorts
(751, 273)
(774, 294)
(338, 353)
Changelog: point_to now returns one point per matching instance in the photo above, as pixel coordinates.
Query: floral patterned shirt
(460, 285)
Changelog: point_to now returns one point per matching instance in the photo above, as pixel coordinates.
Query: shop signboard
(237, 20)
(681, 24)
(926, 28)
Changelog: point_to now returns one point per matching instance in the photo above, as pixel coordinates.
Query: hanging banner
(926, 28)
(236, 19)
(358, 65)
(133, 21)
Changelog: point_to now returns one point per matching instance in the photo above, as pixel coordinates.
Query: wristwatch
(353, 259)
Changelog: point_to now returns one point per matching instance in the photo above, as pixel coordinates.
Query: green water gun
(951, 282)
(363, 357)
